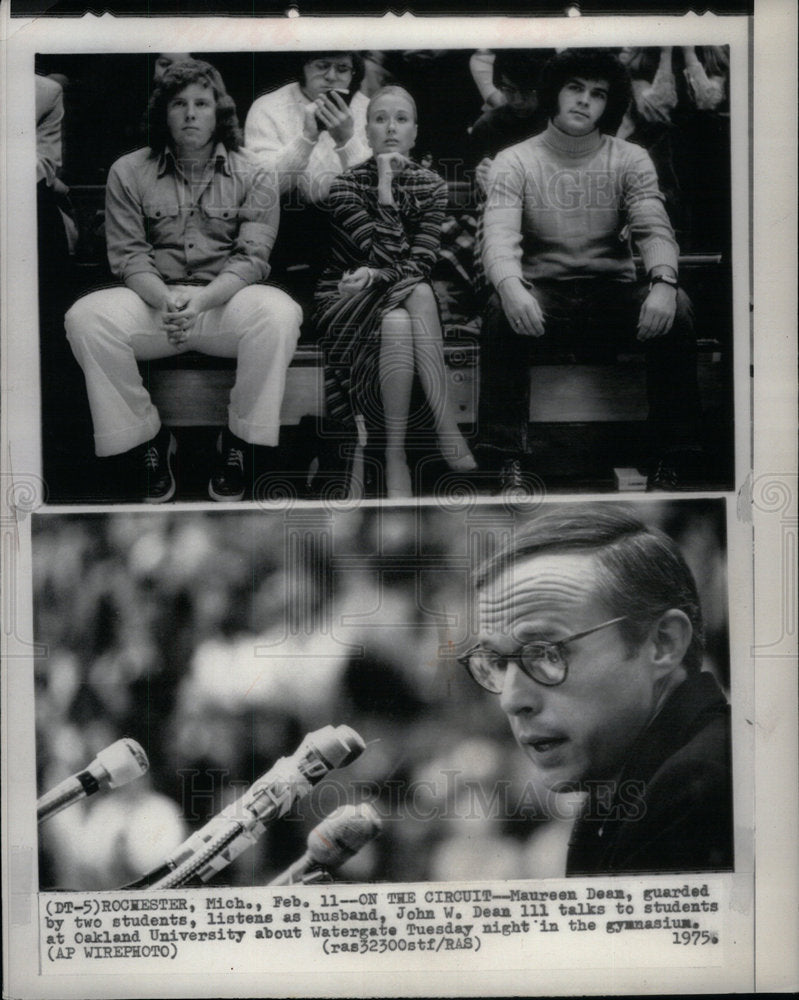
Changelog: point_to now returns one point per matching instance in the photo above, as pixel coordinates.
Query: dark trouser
(589, 319)
(299, 254)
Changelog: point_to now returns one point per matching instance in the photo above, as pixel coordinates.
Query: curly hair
(587, 64)
(303, 58)
(178, 76)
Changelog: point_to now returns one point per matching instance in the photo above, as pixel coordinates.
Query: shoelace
(235, 457)
(151, 457)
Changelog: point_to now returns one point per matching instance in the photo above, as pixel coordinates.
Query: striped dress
(401, 243)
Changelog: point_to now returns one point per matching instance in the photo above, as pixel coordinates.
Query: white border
(774, 718)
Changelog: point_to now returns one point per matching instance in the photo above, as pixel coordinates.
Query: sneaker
(663, 477)
(154, 459)
(227, 481)
(677, 470)
(511, 476)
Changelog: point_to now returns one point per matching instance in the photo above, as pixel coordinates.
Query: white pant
(110, 329)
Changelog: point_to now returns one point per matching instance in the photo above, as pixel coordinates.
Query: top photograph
(384, 275)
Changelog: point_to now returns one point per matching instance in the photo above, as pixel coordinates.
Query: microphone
(338, 837)
(240, 824)
(118, 764)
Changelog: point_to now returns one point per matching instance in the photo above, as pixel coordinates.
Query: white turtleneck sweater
(561, 206)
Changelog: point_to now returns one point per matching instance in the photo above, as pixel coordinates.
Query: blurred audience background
(219, 640)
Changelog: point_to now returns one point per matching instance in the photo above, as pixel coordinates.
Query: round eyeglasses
(543, 661)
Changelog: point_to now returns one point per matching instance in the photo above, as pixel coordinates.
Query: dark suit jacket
(670, 810)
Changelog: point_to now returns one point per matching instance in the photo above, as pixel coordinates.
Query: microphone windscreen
(352, 745)
(124, 761)
(343, 833)
(337, 746)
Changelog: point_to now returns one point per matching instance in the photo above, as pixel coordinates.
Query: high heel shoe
(456, 453)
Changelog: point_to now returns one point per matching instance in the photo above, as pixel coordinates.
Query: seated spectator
(374, 304)
(702, 159)
(481, 66)
(190, 222)
(706, 72)
(679, 115)
(653, 83)
(516, 74)
(53, 240)
(165, 61)
(309, 131)
(562, 209)
(648, 120)
(63, 419)
(375, 72)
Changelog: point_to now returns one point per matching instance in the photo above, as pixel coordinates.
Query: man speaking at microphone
(591, 634)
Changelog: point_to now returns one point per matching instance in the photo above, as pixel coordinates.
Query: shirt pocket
(221, 223)
(163, 222)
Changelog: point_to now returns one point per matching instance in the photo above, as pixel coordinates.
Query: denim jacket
(159, 223)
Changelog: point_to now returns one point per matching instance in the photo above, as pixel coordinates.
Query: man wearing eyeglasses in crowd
(591, 634)
(309, 131)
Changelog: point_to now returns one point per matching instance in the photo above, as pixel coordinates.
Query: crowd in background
(219, 641)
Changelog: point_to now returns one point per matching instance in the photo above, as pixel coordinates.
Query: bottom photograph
(305, 695)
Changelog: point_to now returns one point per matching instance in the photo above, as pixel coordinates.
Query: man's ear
(671, 636)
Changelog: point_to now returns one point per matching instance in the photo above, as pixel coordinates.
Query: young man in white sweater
(563, 210)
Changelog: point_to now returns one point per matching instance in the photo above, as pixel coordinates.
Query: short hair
(641, 571)
(523, 67)
(178, 76)
(587, 64)
(358, 68)
(392, 88)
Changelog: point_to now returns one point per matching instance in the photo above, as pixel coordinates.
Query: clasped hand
(181, 310)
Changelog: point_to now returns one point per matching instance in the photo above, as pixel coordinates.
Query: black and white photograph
(398, 501)
(385, 273)
(601, 746)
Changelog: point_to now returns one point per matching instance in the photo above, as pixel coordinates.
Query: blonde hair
(392, 88)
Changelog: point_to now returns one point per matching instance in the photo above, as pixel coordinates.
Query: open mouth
(546, 743)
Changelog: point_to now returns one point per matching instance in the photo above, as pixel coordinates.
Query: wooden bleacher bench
(193, 389)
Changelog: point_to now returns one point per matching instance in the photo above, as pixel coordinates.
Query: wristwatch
(665, 279)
